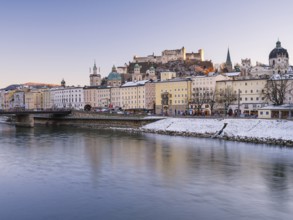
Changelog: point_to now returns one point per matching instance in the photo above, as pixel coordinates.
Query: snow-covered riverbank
(249, 130)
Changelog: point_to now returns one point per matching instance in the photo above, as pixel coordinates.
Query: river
(71, 173)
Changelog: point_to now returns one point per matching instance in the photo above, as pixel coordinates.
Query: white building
(206, 83)
(68, 97)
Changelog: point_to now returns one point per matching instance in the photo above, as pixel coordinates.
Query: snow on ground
(250, 128)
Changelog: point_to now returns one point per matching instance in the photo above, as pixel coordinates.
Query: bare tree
(275, 90)
(226, 97)
(199, 98)
(212, 100)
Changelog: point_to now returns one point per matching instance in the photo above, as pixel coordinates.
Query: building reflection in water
(111, 168)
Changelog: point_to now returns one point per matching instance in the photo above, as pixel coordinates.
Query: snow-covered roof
(279, 77)
(137, 83)
(278, 107)
(232, 74)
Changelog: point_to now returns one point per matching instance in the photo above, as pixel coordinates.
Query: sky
(50, 40)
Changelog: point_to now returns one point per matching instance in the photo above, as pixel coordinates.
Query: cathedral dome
(114, 75)
(278, 51)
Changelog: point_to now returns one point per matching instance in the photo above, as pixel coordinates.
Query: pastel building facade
(18, 99)
(150, 96)
(133, 95)
(103, 96)
(249, 94)
(204, 87)
(172, 96)
(115, 97)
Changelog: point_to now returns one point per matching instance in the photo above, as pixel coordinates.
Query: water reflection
(117, 175)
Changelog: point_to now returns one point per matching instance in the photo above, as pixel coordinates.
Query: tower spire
(229, 62)
(95, 68)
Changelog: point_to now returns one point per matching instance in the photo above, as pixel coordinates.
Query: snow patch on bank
(244, 128)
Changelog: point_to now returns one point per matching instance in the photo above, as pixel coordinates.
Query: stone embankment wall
(92, 119)
(271, 141)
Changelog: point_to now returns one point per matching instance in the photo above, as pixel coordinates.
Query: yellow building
(172, 96)
(103, 96)
(167, 75)
(278, 112)
(47, 99)
(33, 99)
(7, 99)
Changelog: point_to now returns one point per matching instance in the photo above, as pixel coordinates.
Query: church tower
(151, 74)
(229, 65)
(279, 59)
(137, 76)
(245, 67)
(95, 78)
(63, 83)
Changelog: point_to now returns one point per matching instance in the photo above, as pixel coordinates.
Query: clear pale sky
(48, 40)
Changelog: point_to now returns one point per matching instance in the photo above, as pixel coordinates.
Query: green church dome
(114, 75)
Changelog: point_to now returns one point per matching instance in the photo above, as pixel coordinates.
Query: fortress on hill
(171, 55)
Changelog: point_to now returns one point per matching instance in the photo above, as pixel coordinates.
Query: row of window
(251, 99)
(67, 100)
(176, 90)
(67, 91)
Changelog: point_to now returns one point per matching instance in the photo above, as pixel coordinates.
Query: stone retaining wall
(106, 122)
(270, 141)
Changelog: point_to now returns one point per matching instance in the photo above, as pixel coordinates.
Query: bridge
(25, 118)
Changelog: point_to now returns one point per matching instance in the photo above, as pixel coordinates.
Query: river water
(70, 173)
